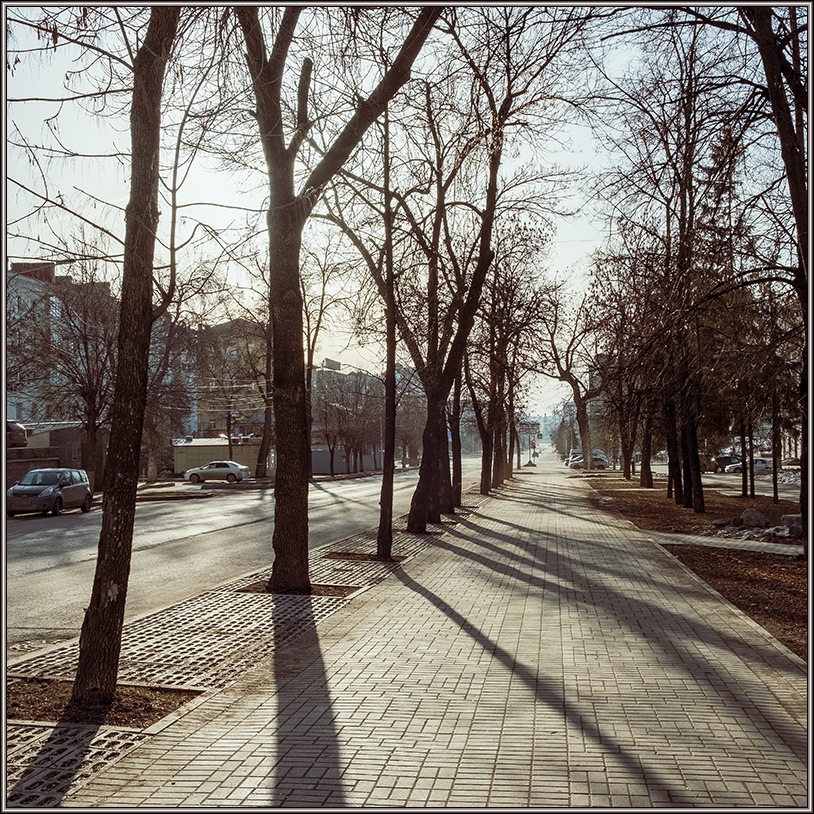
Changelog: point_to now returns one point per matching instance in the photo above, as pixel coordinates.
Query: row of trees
(442, 200)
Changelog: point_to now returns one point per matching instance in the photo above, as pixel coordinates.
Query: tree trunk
(424, 505)
(100, 638)
(89, 452)
(751, 434)
(290, 539)
(794, 160)
(286, 218)
(229, 432)
(584, 432)
(674, 485)
(685, 466)
(446, 504)
(455, 431)
(645, 472)
(698, 505)
(384, 538)
(261, 468)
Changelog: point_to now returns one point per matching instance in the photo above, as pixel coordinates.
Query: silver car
(50, 490)
(218, 470)
(763, 466)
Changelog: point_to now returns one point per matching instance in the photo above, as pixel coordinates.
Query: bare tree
(287, 214)
(100, 638)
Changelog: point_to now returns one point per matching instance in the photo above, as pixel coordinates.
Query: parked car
(577, 453)
(723, 461)
(50, 490)
(15, 435)
(574, 453)
(218, 470)
(596, 463)
(763, 466)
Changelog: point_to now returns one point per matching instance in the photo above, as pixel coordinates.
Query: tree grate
(206, 641)
(64, 757)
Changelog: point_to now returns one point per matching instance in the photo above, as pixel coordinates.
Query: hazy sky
(573, 241)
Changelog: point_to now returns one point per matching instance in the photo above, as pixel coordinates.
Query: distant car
(218, 470)
(763, 466)
(15, 435)
(596, 463)
(50, 490)
(576, 454)
(723, 461)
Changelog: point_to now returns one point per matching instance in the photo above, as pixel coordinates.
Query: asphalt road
(180, 548)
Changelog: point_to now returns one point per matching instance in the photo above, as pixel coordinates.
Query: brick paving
(539, 653)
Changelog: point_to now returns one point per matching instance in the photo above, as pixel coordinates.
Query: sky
(573, 242)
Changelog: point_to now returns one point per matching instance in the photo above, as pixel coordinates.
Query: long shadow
(307, 771)
(637, 615)
(48, 777)
(337, 500)
(640, 610)
(545, 690)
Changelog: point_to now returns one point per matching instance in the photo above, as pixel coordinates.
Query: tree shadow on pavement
(560, 566)
(546, 691)
(307, 770)
(49, 775)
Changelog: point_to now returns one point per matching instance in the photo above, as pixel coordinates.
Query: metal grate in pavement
(64, 756)
(206, 641)
(210, 639)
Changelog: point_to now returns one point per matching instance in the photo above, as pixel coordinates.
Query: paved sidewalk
(537, 653)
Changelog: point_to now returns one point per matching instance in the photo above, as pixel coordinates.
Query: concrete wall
(189, 456)
(24, 459)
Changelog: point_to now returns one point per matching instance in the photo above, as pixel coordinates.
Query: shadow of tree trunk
(308, 768)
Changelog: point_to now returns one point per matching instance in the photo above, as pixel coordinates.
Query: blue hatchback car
(50, 490)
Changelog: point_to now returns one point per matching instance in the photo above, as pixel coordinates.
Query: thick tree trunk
(100, 638)
(287, 215)
(584, 432)
(698, 505)
(424, 505)
(486, 463)
(290, 569)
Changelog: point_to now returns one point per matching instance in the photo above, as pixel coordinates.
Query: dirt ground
(40, 699)
(770, 588)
